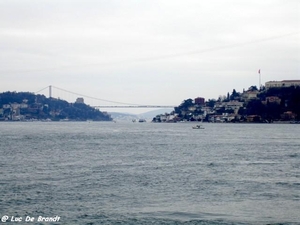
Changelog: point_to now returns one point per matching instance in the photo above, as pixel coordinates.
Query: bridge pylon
(50, 91)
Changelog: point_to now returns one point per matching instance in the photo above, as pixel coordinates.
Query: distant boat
(142, 120)
(198, 127)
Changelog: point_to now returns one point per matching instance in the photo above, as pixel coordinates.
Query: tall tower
(259, 80)
(50, 91)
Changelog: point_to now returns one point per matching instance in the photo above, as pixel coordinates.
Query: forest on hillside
(26, 106)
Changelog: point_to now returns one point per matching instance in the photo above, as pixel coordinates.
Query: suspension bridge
(53, 92)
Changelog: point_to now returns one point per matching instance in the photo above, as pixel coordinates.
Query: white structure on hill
(284, 83)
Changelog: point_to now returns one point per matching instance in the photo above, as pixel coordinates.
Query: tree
(221, 98)
(211, 102)
(187, 103)
(234, 94)
(255, 107)
(252, 88)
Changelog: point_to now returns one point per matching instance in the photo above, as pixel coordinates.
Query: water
(144, 173)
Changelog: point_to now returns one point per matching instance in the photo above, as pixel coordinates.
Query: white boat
(198, 127)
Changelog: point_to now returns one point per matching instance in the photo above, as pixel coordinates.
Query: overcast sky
(147, 51)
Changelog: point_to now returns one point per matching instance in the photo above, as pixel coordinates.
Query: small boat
(198, 127)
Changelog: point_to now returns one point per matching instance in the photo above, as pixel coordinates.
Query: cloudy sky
(147, 51)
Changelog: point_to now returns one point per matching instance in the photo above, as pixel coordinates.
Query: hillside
(22, 106)
(253, 105)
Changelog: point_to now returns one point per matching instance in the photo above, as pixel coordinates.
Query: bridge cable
(99, 99)
(41, 90)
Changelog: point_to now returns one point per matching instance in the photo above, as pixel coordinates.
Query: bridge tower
(50, 91)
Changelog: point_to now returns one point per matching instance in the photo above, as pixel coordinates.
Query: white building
(248, 95)
(23, 106)
(6, 106)
(15, 105)
(280, 84)
(234, 105)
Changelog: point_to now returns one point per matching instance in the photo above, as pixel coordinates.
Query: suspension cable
(99, 99)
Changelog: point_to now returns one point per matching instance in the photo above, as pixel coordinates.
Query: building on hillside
(231, 105)
(23, 105)
(6, 106)
(272, 99)
(15, 105)
(80, 100)
(281, 84)
(249, 95)
(234, 105)
(253, 118)
(207, 110)
(289, 115)
(192, 108)
(199, 101)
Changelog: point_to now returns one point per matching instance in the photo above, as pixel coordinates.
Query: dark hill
(28, 106)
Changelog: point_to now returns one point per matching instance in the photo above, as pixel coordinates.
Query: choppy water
(144, 173)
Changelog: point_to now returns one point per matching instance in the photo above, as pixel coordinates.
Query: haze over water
(146, 173)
